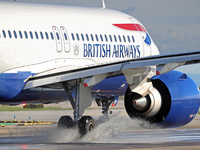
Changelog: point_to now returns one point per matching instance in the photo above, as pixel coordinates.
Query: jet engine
(173, 100)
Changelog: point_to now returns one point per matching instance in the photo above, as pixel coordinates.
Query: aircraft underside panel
(13, 90)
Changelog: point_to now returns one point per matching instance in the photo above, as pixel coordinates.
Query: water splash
(116, 129)
(110, 128)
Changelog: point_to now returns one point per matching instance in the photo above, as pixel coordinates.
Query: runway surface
(120, 132)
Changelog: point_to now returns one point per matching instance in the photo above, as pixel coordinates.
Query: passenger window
(101, 37)
(65, 35)
(31, 35)
(124, 38)
(15, 34)
(115, 38)
(119, 38)
(73, 37)
(97, 37)
(52, 37)
(4, 34)
(133, 39)
(9, 33)
(110, 38)
(82, 37)
(106, 38)
(41, 35)
(128, 39)
(57, 35)
(47, 36)
(36, 35)
(20, 34)
(77, 36)
(92, 37)
(87, 37)
(26, 35)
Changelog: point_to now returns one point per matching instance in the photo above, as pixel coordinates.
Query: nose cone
(140, 104)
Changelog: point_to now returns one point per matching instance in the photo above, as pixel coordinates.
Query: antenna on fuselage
(104, 5)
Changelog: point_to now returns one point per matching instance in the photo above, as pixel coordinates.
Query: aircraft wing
(164, 63)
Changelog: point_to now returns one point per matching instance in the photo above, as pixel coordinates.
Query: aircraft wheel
(65, 122)
(86, 125)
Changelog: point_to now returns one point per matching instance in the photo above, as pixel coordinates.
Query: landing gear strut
(85, 124)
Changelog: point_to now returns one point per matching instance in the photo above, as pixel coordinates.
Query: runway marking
(26, 123)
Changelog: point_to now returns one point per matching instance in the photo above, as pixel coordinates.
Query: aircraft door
(57, 39)
(65, 39)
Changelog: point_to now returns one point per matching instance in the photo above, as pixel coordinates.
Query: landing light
(24, 105)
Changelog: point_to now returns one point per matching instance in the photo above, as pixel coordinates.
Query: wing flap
(114, 69)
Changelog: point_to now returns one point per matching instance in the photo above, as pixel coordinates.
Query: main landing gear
(85, 124)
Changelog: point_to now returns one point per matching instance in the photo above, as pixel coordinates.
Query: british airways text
(111, 51)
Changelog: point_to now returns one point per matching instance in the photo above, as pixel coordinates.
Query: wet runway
(119, 132)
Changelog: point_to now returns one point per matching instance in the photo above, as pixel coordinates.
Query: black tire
(86, 125)
(65, 122)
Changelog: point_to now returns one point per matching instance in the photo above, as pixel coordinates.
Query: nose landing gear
(105, 102)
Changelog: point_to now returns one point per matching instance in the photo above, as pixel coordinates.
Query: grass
(10, 108)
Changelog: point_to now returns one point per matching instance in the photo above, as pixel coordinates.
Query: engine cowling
(173, 101)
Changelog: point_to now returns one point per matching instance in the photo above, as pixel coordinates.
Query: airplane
(52, 53)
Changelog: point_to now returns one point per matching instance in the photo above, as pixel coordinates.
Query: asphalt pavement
(120, 132)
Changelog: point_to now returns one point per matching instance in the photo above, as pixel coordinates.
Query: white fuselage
(39, 38)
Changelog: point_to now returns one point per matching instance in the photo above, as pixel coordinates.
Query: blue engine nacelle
(173, 101)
